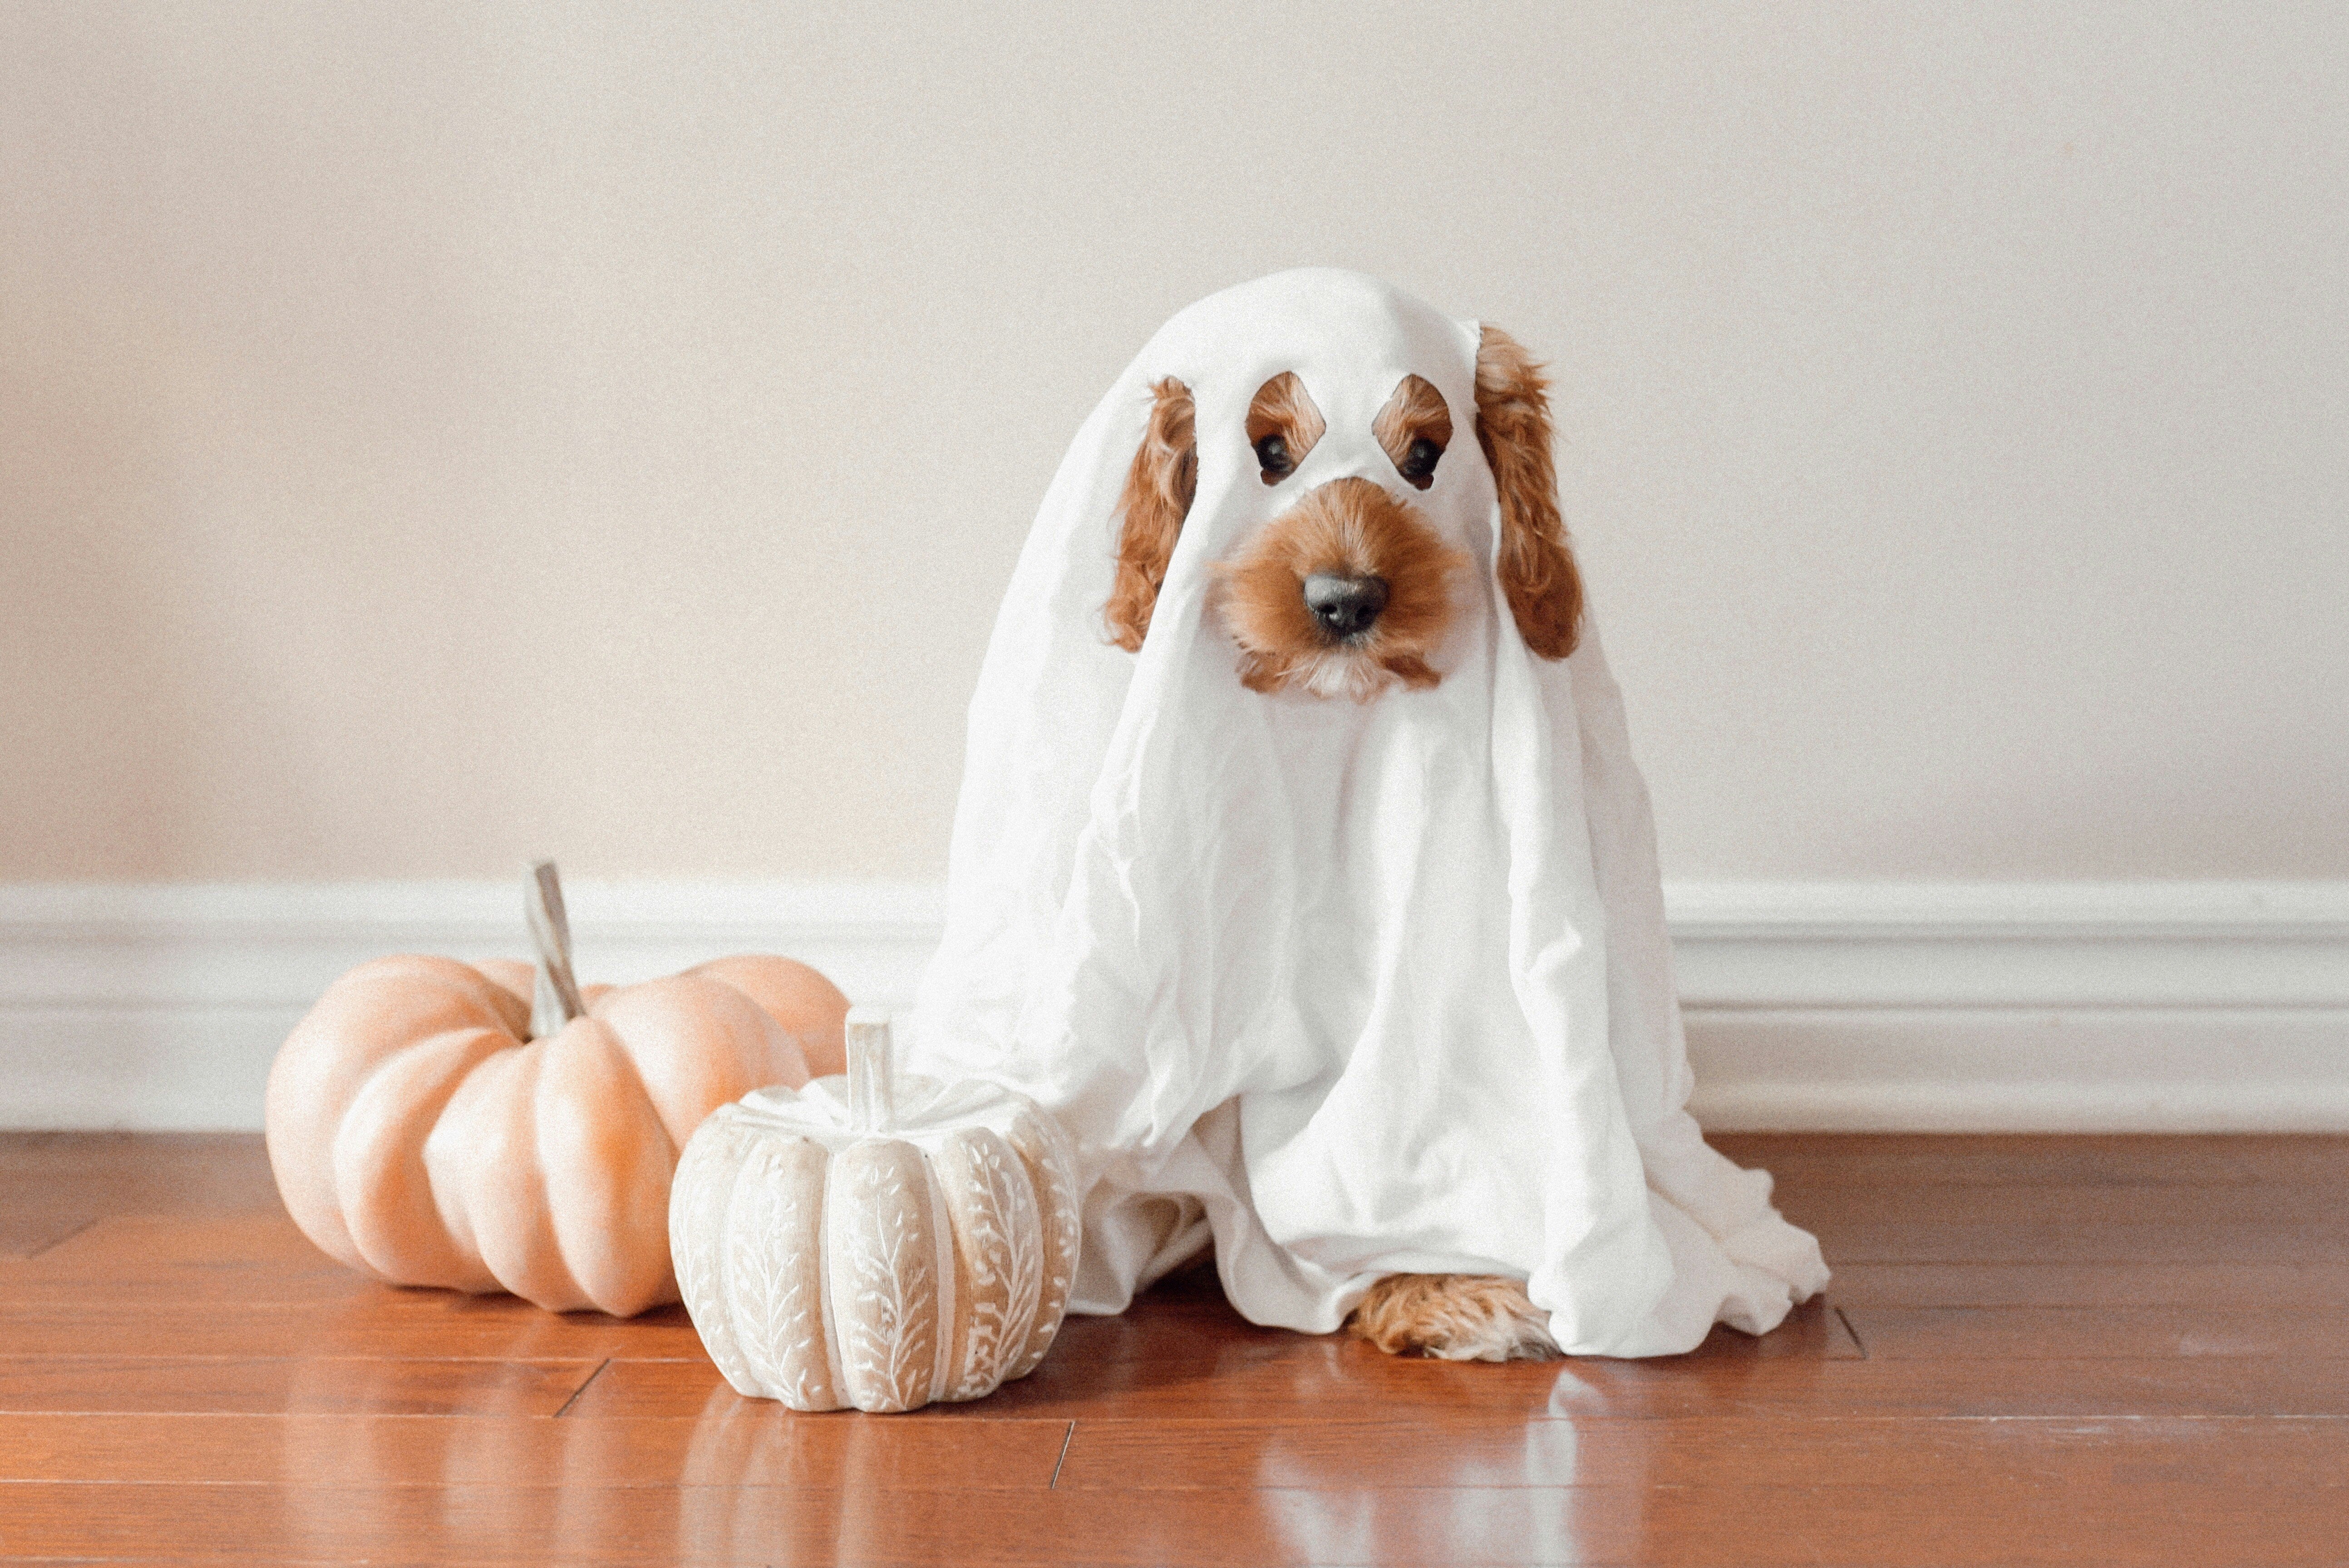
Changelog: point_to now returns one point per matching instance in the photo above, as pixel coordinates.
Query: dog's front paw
(1453, 1318)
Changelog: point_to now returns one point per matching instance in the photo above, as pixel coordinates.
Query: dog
(1346, 594)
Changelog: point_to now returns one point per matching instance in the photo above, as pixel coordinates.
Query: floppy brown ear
(1537, 571)
(1158, 490)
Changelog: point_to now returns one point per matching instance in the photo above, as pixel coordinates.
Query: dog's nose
(1344, 604)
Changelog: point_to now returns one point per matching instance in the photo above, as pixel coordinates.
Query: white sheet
(1358, 988)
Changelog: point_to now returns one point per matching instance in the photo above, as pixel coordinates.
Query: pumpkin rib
(696, 1042)
(707, 1177)
(883, 1249)
(515, 979)
(327, 1060)
(1044, 1153)
(945, 1266)
(484, 1159)
(785, 989)
(777, 1193)
(381, 1181)
(608, 1161)
(990, 1201)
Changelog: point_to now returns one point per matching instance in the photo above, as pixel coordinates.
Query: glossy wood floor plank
(2216, 1286)
(251, 1284)
(1485, 1452)
(1345, 1383)
(1163, 1357)
(58, 1182)
(383, 1322)
(2314, 1209)
(198, 1385)
(1804, 1161)
(252, 1256)
(2162, 1524)
(2026, 1333)
(2234, 1224)
(746, 1443)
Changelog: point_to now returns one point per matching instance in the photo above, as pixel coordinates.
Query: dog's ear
(1537, 571)
(1158, 490)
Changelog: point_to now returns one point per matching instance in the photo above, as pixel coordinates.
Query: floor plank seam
(1848, 1327)
(55, 1242)
(584, 1385)
(1067, 1437)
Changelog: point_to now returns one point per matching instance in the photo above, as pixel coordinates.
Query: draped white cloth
(1358, 988)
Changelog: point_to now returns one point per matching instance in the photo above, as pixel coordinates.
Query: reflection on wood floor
(2092, 1350)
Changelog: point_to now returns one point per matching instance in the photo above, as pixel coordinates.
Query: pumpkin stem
(872, 1071)
(556, 1001)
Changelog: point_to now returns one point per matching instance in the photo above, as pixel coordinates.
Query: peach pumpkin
(431, 1124)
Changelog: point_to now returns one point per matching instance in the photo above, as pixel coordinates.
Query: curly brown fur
(1453, 1318)
(1416, 413)
(1354, 527)
(1536, 568)
(1283, 407)
(1158, 497)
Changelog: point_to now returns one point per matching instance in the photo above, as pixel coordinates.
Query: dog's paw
(1453, 1318)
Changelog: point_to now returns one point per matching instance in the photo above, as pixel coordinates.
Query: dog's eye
(1282, 425)
(1412, 430)
(1418, 465)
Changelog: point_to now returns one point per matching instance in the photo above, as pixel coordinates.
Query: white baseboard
(160, 1007)
(2155, 1006)
(2017, 1007)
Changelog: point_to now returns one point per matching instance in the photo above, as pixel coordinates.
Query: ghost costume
(1354, 988)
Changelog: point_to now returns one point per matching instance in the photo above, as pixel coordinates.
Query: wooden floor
(2035, 1350)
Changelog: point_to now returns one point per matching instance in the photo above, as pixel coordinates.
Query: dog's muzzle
(1344, 594)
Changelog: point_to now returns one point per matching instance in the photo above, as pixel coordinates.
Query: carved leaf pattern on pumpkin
(996, 1230)
(771, 1233)
(1046, 1159)
(884, 1257)
(701, 1196)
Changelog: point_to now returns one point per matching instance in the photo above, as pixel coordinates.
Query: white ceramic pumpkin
(875, 1241)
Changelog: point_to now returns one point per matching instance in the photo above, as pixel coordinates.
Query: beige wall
(435, 436)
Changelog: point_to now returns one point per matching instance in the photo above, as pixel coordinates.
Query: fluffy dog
(1346, 594)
